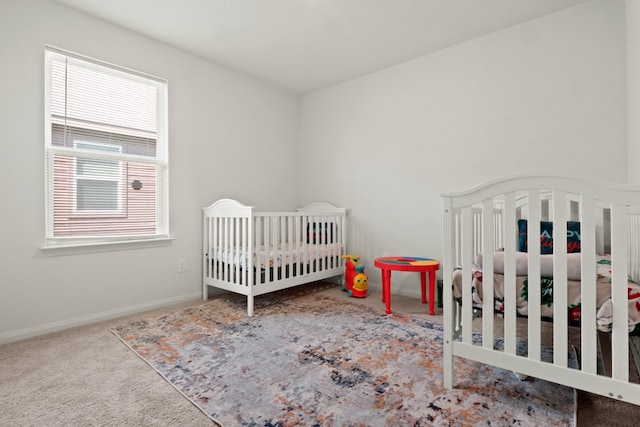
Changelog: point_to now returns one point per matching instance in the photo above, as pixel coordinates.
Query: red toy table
(420, 265)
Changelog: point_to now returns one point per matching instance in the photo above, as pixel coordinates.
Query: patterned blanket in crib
(603, 293)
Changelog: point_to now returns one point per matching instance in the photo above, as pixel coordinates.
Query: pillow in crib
(546, 236)
(318, 232)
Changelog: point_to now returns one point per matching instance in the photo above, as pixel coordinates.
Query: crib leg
(449, 375)
(448, 322)
(249, 305)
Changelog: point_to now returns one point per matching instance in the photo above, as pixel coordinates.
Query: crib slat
(224, 233)
(456, 220)
(309, 240)
(212, 247)
(588, 286)
(312, 256)
(216, 247)
(327, 238)
(560, 329)
(233, 245)
(237, 246)
(322, 240)
(225, 246)
(280, 247)
(477, 232)
(258, 243)
(619, 291)
(510, 274)
(267, 229)
(290, 244)
(534, 292)
(283, 248)
(487, 266)
(299, 238)
(467, 252)
(634, 245)
(246, 230)
(230, 248)
(498, 239)
(221, 246)
(270, 266)
(307, 256)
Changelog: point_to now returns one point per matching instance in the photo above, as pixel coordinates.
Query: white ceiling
(304, 45)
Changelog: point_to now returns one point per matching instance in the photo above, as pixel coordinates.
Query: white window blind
(106, 151)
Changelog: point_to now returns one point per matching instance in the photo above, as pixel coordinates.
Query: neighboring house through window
(98, 182)
(106, 151)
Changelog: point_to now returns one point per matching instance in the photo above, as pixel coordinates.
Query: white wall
(495, 105)
(633, 88)
(230, 136)
(546, 95)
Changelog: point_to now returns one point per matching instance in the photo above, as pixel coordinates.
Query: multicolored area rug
(322, 361)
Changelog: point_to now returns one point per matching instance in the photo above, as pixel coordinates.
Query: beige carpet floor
(85, 377)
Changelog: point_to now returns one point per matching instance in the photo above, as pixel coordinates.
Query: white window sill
(91, 247)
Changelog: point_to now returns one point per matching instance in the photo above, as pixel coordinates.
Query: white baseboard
(33, 331)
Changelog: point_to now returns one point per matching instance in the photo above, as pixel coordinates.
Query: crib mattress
(603, 294)
(279, 255)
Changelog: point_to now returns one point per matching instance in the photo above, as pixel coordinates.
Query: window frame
(160, 161)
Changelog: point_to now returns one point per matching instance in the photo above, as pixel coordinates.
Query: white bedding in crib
(281, 254)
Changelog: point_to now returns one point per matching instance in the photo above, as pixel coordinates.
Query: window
(98, 181)
(106, 151)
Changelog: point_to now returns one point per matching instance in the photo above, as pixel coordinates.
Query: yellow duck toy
(360, 282)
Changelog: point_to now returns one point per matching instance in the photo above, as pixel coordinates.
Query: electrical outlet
(182, 265)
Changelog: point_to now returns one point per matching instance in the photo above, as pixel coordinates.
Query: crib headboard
(540, 201)
(318, 222)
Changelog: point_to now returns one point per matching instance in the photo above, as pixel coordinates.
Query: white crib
(253, 253)
(483, 220)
